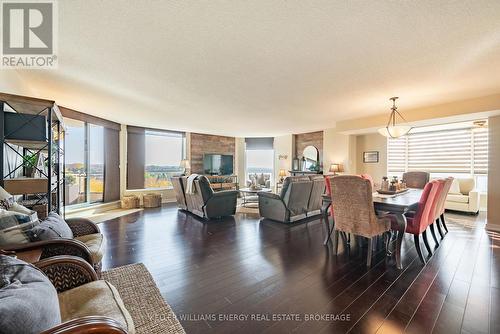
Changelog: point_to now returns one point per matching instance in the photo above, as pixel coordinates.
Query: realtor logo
(28, 34)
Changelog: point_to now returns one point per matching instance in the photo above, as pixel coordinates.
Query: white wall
(283, 146)
(493, 222)
(239, 161)
(372, 142)
(337, 148)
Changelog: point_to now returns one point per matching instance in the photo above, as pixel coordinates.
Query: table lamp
(282, 175)
(335, 168)
(186, 165)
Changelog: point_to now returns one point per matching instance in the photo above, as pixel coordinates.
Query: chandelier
(393, 130)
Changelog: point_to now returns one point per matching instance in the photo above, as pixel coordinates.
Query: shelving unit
(31, 114)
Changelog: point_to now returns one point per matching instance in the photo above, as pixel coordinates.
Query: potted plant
(29, 163)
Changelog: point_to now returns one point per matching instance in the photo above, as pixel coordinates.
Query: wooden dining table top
(398, 203)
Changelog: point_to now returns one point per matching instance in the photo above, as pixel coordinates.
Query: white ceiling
(252, 68)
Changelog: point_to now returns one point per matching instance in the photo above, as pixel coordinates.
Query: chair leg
(439, 229)
(417, 246)
(388, 236)
(336, 242)
(433, 232)
(444, 223)
(369, 255)
(426, 242)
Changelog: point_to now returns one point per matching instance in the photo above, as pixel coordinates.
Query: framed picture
(370, 157)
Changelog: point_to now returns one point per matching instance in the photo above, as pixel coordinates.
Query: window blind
(446, 151)
(262, 143)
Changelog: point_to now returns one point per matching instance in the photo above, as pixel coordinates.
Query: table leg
(401, 220)
(326, 221)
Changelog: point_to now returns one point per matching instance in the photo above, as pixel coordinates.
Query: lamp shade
(334, 168)
(282, 173)
(185, 163)
(394, 131)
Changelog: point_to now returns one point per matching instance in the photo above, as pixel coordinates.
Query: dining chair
(369, 178)
(446, 190)
(416, 179)
(328, 191)
(417, 222)
(353, 211)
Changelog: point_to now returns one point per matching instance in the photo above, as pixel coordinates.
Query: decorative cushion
(28, 301)
(95, 244)
(16, 207)
(6, 199)
(98, 298)
(261, 180)
(52, 227)
(455, 187)
(15, 228)
(457, 198)
(466, 185)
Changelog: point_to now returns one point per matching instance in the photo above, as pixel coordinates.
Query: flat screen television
(218, 164)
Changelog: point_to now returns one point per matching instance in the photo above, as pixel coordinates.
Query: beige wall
(338, 148)
(372, 142)
(493, 174)
(283, 145)
(239, 161)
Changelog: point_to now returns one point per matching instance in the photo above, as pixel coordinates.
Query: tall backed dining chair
(416, 179)
(446, 190)
(369, 178)
(328, 191)
(353, 210)
(421, 219)
(439, 203)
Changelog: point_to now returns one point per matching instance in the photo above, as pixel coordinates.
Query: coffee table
(250, 196)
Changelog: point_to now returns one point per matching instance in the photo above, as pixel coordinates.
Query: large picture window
(164, 152)
(259, 159)
(459, 151)
(153, 157)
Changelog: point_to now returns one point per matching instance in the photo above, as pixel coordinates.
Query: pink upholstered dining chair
(354, 212)
(440, 212)
(422, 218)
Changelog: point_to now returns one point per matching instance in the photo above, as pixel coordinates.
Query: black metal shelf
(16, 147)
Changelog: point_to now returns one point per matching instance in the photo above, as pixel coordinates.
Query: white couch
(463, 196)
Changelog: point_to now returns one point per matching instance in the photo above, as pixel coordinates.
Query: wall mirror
(310, 157)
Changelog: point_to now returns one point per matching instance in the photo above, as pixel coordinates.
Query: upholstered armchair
(416, 179)
(291, 204)
(354, 212)
(66, 297)
(463, 196)
(87, 244)
(204, 202)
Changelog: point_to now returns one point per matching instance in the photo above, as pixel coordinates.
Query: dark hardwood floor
(278, 278)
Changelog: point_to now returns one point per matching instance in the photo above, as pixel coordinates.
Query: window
(163, 154)
(260, 162)
(459, 151)
(84, 162)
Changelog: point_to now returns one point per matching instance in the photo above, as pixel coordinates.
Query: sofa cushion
(52, 227)
(28, 301)
(457, 198)
(6, 199)
(467, 185)
(98, 298)
(95, 244)
(15, 228)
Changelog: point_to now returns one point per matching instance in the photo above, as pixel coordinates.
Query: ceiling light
(393, 130)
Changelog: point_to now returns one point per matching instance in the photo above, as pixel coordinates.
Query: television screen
(218, 164)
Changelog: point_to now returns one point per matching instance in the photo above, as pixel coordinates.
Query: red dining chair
(417, 224)
(369, 178)
(328, 190)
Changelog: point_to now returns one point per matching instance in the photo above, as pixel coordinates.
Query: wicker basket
(130, 202)
(152, 200)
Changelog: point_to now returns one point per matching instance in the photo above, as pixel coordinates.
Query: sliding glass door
(84, 163)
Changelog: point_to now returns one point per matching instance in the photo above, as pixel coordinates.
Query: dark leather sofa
(204, 203)
(300, 198)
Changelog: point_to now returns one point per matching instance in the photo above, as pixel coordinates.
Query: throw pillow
(28, 301)
(6, 199)
(52, 227)
(15, 228)
(261, 180)
(455, 187)
(16, 207)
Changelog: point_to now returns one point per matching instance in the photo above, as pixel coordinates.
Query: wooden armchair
(67, 273)
(87, 244)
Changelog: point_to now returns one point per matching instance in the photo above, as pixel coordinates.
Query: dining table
(396, 205)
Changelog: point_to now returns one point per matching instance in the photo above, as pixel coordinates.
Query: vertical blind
(445, 151)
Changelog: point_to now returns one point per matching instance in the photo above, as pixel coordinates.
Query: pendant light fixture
(393, 130)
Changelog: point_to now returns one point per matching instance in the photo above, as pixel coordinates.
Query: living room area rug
(143, 300)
